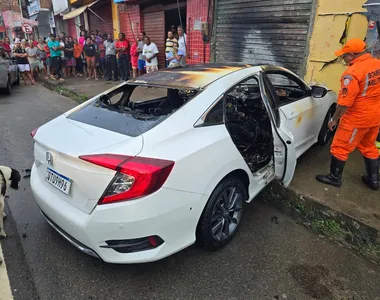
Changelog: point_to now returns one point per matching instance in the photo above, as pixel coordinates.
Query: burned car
(145, 169)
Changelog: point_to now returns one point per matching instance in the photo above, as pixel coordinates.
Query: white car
(147, 168)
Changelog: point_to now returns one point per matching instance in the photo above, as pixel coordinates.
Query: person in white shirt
(182, 45)
(150, 52)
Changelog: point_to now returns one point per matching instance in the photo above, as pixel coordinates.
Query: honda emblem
(49, 158)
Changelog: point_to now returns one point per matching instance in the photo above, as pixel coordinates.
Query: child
(174, 56)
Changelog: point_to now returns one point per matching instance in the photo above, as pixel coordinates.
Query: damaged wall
(335, 23)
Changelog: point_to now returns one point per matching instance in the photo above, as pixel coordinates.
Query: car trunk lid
(57, 154)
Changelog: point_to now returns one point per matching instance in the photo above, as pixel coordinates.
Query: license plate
(58, 181)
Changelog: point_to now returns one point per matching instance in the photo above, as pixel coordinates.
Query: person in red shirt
(48, 60)
(135, 58)
(122, 46)
(7, 46)
(102, 57)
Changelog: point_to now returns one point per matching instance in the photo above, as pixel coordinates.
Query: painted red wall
(197, 10)
(133, 21)
(72, 29)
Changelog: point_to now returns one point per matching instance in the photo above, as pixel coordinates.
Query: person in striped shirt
(170, 42)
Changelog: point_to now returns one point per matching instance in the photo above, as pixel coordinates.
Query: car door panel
(285, 157)
(300, 111)
(3, 73)
(302, 119)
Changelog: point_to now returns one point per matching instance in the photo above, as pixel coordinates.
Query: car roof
(189, 77)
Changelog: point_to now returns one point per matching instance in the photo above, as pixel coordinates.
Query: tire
(325, 135)
(17, 82)
(8, 89)
(216, 216)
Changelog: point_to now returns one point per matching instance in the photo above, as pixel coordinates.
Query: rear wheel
(8, 89)
(17, 82)
(326, 135)
(222, 215)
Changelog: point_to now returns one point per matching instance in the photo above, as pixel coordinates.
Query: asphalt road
(266, 260)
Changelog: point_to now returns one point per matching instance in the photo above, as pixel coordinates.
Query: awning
(373, 8)
(78, 11)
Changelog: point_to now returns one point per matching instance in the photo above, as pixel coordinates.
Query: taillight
(34, 131)
(136, 176)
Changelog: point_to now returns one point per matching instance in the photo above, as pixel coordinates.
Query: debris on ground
(274, 219)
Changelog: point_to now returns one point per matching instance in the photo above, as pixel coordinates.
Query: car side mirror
(318, 91)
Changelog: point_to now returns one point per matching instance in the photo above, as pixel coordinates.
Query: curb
(339, 227)
(62, 90)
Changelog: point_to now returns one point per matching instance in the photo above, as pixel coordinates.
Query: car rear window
(132, 110)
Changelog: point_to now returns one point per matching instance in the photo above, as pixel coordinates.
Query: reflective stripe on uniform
(366, 85)
(353, 135)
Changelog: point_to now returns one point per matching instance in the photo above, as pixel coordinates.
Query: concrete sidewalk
(349, 215)
(5, 289)
(78, 88)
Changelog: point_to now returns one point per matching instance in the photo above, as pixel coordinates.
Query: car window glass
(142, 93)
(287, 88)
(215, 115)
(132, 110)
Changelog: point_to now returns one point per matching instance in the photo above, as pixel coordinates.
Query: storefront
(95, 15)
(14, 22)
(156, 19)
(100, 17)
(263, 32)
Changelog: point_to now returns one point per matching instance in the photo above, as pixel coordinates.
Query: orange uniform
(360, 93)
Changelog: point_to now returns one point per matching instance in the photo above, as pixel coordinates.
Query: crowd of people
(93, 55)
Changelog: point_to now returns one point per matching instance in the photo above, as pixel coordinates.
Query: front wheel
(325, 135)
(222, 215)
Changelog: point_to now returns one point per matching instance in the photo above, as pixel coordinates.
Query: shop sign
(27, 28)
(51, 20)
(60, 6)
(34, 7)
(372, 39)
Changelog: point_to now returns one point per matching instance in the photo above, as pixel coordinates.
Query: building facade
(301, 35)
(155, 19)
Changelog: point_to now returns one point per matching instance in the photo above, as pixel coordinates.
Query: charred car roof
(189, 77)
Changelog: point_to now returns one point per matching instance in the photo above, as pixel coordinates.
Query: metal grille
(105, 12)
(263, 32)
(154, 27)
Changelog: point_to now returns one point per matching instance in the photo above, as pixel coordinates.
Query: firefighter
(358, 110)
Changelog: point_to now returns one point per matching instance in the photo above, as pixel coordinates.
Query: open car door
(285, 156)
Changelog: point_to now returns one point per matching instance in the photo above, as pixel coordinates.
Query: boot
(372, 177)
(335, 176)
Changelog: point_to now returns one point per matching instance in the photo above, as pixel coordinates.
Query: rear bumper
(69, 238)
(170, 214)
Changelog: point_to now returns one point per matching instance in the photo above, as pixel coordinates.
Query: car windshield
(131, 109)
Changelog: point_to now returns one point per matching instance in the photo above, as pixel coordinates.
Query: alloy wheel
(227, 213)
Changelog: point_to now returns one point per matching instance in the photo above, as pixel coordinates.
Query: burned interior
(249, 125)
(133, 109)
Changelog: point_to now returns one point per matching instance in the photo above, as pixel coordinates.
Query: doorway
(172, 18)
